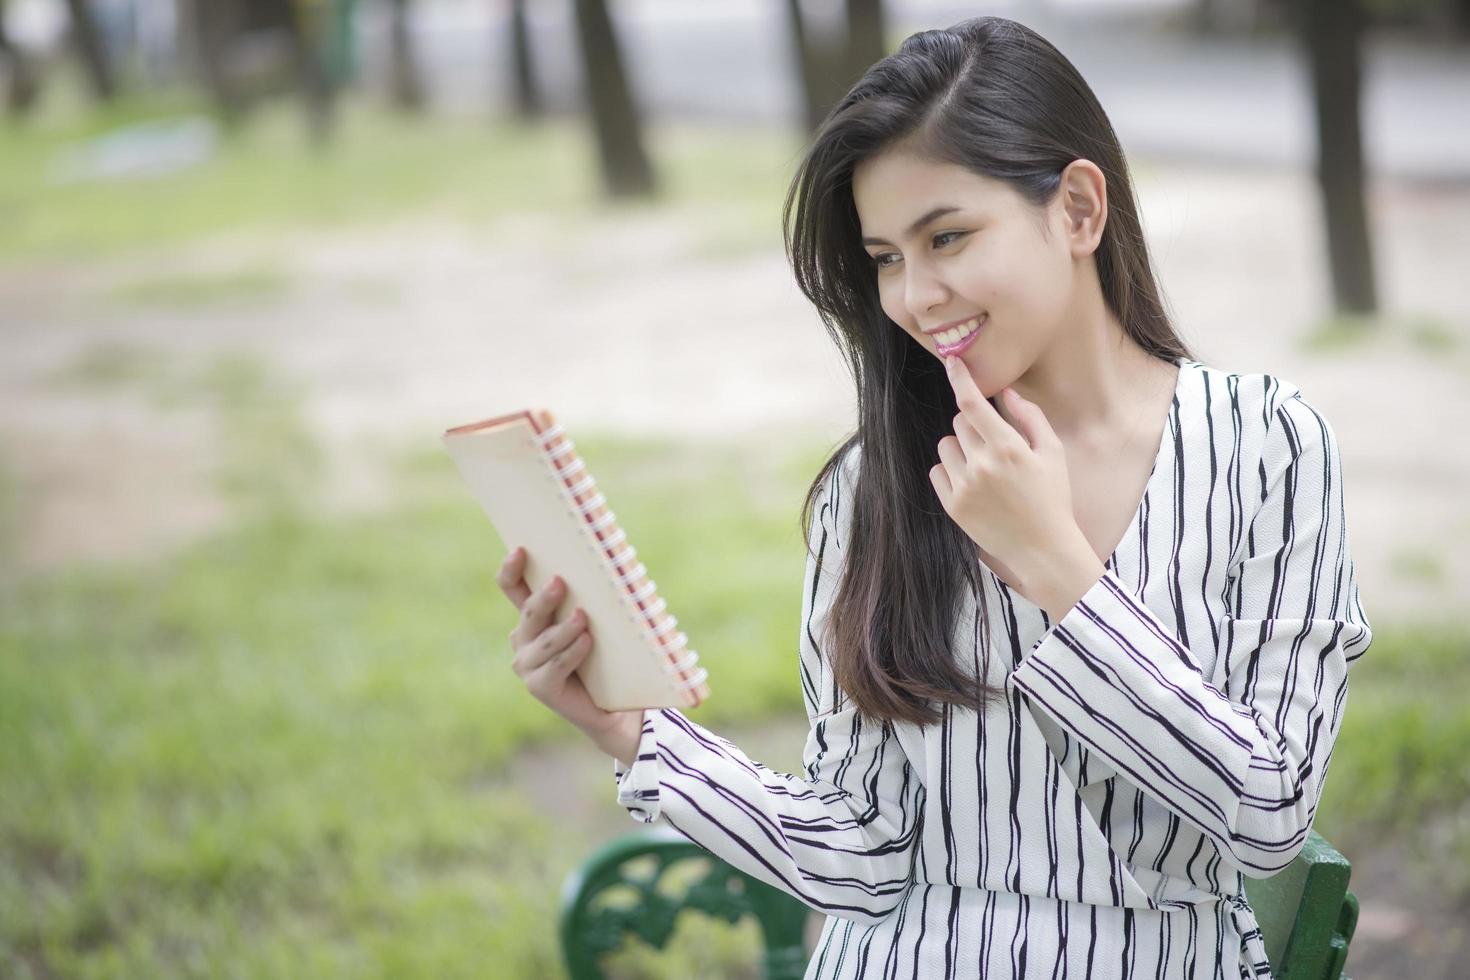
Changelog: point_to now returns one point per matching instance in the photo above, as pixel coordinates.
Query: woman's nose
(923, 291)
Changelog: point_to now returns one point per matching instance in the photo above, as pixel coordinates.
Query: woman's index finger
(975, 406)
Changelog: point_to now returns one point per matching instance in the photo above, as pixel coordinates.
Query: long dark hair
(993, 96)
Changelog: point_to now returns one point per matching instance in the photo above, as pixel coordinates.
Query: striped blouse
(1166, 737)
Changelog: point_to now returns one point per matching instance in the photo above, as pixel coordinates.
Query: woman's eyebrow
(914, 228)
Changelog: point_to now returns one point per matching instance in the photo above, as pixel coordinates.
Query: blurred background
(256, 713)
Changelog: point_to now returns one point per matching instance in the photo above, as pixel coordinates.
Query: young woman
(1079, 609)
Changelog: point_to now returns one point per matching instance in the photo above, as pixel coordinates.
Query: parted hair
(995, 97)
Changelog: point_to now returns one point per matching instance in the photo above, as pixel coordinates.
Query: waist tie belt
(1255, 965)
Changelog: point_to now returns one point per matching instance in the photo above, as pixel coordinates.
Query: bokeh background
(256, 713)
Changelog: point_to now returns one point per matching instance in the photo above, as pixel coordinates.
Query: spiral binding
(679, 644)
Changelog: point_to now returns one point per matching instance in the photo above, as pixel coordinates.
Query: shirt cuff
(1113, 674)
(638, 784)
(1108, 618)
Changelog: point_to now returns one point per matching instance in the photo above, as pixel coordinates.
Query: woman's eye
(940, 240)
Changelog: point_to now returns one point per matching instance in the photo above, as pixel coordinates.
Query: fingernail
(556, 582)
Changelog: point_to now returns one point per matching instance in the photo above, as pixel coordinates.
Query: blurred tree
(626, 170)
(339, 47)
(528, 99)
(205, 28)
(865, 37)
(89, 47)
(23, 87)
(405, 85)
(1331, 33)
(1237, 16)
(1430, 20)
(306, 22)
(810, 68)
(828, 70)
(248, 48)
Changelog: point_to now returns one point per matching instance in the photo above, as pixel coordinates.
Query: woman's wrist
(620, 740)
(1070, 570)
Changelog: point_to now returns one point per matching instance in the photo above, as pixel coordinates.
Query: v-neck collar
(1164, 458)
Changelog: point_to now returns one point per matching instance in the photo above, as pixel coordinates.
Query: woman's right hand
(547, 655)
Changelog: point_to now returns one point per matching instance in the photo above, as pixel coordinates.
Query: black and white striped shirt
(1169, 735)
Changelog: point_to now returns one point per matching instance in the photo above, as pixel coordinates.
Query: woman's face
(985, 257)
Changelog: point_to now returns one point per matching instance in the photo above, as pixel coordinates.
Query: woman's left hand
(1005, 483)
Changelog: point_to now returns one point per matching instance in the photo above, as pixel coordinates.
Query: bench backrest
(1306, 913)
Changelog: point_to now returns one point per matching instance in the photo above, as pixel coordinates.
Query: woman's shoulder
(1258, 393)
(1261, 410)
(840, 470)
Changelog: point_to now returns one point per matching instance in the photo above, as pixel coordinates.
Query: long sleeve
(841, 835)
(1242, 758)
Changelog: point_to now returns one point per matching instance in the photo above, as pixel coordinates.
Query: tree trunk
(405, 88)
(823, 65)
(626, 170)
(208, 24)
(866, 43)
(20, 98)
(89, 48)
(1208, 16)
(1331, 31)
(316, 87)
(808, 68)
(528, 102)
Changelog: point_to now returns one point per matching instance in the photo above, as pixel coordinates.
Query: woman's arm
(841, 835)
(1243, 762)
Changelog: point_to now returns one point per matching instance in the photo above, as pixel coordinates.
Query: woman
(1079, 609)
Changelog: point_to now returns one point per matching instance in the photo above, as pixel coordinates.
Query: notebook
(536, 490)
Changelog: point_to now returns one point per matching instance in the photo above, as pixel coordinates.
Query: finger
(971, 441)
(976, 407)
(551, 641)
(512, 577)
(942, 487)
(1029, 419)
(538, 610)
(556, 667)
(953, 458)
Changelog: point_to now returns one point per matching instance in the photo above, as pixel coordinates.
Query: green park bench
(1306, 912)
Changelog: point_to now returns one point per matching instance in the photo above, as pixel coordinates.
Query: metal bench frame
(1306, 912)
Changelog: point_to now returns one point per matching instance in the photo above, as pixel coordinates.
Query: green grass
(1432, 335)
(266, 177)
(283, 752)
(1399, 762)
(198, 290)
(110, 365)
(1342, 332)
(1347, 332)
(1420, 565)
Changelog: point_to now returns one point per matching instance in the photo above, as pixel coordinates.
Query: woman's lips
(965, 342)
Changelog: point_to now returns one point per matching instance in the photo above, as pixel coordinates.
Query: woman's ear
(1084, 196)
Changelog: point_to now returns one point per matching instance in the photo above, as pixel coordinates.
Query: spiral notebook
(536, 490)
